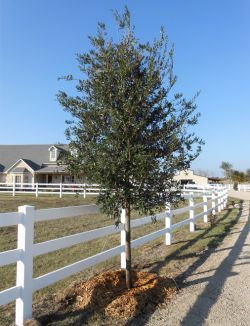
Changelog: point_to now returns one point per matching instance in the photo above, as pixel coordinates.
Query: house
(39, 163)
(32, 163)
(188, 176)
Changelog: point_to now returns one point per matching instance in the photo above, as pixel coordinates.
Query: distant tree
(227, 169)
(128, 133)
(238, 176)
(247, 175)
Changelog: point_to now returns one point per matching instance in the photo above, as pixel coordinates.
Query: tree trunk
(128, 248)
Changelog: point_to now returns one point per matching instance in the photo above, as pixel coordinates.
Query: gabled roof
(19, 170)
(53, 146)
(14, 167)
(33, 155)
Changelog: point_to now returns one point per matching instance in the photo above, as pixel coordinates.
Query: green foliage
(227, 169)
(128, 133)
(235, 175)
(238, 176)
(247, 176)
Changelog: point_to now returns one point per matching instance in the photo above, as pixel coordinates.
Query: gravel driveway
(218, 291)
(245, 195)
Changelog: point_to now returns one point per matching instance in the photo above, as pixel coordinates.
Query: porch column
(33, 180)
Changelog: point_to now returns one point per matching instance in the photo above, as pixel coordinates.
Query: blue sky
(39, 40)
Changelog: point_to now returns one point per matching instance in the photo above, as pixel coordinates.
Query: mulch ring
(107, 293)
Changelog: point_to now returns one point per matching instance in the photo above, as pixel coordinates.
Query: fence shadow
(156, 267)
(199, 312)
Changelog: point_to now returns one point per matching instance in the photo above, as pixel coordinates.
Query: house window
(69, 179)
(53, 154)
(18, 179)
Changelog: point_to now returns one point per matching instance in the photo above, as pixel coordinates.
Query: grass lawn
(8, 203)
(154, 256)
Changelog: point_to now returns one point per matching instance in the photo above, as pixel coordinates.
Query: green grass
(153, 256)
(10, 204)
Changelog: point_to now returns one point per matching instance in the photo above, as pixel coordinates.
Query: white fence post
(168, 223)
(191, 213)
(14, 188)
(205, 219)
(222, 199)
(123, 239)
(37, 189)
(25, 265)
(219, 201)
(226, 194)
(60, 190)
(84, 191)
(213, 202)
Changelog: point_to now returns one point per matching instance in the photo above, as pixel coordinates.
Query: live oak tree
(128, 133)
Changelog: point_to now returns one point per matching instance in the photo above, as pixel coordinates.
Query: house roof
(34, 155)
(19, 170)
(52, 169)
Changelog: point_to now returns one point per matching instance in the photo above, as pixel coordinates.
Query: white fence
(243, 187)
(82, 189)
(208, 186)
(26, 249)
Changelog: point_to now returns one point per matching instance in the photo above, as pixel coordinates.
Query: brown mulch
(106, 295)
(107, 292)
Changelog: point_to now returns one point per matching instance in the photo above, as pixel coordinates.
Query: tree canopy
(235, 175)
(227, 169)
(130, 131)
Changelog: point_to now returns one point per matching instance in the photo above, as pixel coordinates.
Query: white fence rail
(60, 189)
(82, 189)
(243, 187)
(26, 249)
(208, 186)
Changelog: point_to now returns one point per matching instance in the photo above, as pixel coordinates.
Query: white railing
(243, 187)
(60, 189)
(82, 189)
(208, 186)
(26, 248)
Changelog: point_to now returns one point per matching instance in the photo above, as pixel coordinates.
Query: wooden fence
(26, 248)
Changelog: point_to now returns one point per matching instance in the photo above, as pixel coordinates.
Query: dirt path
(218, 291)
(244, 195)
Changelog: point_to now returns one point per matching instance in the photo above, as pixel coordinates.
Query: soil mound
(107, 293)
